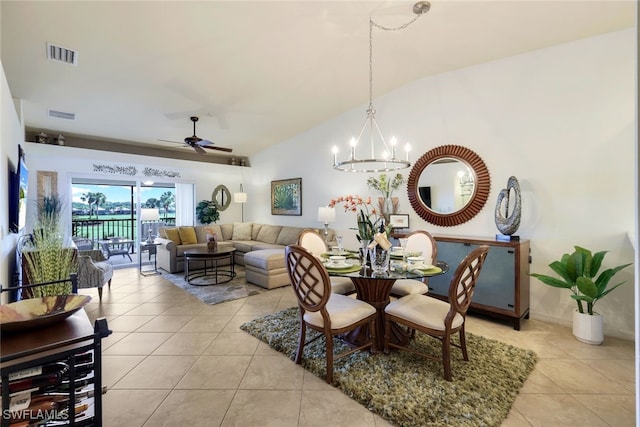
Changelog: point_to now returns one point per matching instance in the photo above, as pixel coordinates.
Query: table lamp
(326, 215)
(149, 215)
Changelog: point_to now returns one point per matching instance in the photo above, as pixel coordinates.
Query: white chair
(314, 243)
(418, 241)
(437, 318)
(324, 311)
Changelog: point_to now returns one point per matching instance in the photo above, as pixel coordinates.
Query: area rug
(214, 294)
(408, 390)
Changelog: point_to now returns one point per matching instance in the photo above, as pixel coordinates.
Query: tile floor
(173, 360)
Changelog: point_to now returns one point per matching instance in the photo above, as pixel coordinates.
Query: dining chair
(314, 243)
(326, 312)
(114, 248)
(423, 242)
(437, 318)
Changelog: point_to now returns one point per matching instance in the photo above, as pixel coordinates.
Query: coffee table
(210, 272)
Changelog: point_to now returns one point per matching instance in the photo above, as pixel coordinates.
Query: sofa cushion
(202, 231)
(187, 235)
(173, 235)
(244, 245)
(269, 233)
(255, 230)
(227, 231)
(289, 236)
(241, 231)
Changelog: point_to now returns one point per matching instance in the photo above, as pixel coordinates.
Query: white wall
(561, 119)
(11, 134)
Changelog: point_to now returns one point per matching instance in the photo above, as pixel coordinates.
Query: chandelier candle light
(388, 160)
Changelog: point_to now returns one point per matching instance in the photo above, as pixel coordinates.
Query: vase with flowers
(369, 222)
(386, 186)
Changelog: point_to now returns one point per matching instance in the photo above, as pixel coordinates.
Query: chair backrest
(312, 242)
(309, 279)
(423, 241)
(464, 280)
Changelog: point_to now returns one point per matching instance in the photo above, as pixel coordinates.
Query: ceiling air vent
(62, 115)
(62, 54)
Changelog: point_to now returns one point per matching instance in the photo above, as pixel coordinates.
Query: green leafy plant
(369, 221)
(207, 212)
(577, 272)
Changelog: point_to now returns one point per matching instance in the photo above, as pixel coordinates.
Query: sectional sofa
(264, 242)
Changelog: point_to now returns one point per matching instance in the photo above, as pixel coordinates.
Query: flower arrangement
(386, 186)
(369, 222)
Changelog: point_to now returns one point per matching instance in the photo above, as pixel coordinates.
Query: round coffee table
(211, 272)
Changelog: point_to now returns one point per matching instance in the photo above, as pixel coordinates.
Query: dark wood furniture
(375, 290)
(502, 290)
(72, 343)
(216, 273)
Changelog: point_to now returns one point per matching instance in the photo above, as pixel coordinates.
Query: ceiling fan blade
(215, 147)
(175, 142)
(198, 149)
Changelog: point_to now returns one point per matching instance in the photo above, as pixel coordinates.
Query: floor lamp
(149, 216)
(326, 215)
(241, 198)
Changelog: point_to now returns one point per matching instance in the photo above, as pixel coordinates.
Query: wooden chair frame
(311, 284)
(460, 293)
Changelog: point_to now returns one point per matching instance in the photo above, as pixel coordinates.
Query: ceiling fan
(199, 144)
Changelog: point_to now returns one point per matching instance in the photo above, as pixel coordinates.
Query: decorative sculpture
(508, 224)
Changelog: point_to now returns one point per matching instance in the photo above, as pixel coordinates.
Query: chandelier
(387, 160)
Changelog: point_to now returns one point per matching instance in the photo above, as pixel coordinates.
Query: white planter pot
(588, 328)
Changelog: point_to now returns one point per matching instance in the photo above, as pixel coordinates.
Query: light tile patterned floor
(173, 360)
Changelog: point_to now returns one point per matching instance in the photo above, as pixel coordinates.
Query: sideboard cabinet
(502, 289)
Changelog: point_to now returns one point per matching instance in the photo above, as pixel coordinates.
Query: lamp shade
(326, 214)
(149, 214)
(240, 197)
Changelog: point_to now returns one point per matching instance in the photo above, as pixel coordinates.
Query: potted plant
(577, 272)
(207, 212)
(49, 256)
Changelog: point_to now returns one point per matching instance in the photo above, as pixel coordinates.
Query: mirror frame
(478, 198)
(226, 197)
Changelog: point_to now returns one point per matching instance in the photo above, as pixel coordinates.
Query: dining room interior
(531, 152)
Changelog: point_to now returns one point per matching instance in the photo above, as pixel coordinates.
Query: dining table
(375, 289)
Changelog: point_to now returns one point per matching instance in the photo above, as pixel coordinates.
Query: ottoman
(265, 268)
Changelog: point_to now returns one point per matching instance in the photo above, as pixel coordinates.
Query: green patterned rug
(408, 390)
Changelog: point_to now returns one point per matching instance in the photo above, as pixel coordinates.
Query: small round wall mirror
(448, 185)
(221, 196)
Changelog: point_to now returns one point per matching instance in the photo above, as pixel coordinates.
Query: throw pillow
(187, 235)
(241, 231)
(172, 234)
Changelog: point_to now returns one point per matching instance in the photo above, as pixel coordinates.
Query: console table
(502, 291)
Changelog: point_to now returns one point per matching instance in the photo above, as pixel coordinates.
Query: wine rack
(52, 376)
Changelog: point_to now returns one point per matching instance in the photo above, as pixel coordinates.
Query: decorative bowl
(36, 312)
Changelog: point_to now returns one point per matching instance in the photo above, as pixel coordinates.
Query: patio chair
(437, 318)
(112, 248)
(329, 313)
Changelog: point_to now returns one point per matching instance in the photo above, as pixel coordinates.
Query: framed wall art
(47, 184)
(286, 197)
(399, 220)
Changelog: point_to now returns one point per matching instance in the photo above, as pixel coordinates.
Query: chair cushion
(241, 231)
(404, 287)
(343, 310)
(173, 235)
(187, 235)
(342, 285)
(423, 310)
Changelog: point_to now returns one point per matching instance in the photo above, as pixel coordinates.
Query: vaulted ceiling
(255, 72)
